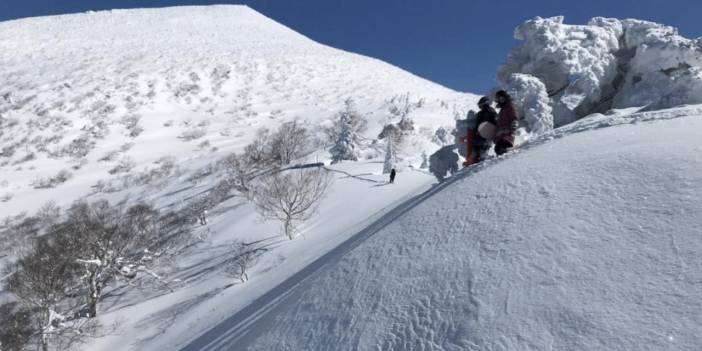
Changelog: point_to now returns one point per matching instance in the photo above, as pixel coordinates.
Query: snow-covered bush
(608, 63)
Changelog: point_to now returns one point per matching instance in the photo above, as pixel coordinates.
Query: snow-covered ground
(88, 92)
(183, 87)
(587, 239)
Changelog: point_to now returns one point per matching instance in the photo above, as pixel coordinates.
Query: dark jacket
(486, 115)
(507, 123)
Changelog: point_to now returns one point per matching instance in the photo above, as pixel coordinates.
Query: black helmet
(502, 93)
(484, 101)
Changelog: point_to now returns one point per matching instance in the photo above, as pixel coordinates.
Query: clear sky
(457, 43)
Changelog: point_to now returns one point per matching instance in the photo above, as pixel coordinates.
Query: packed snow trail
(587, 242)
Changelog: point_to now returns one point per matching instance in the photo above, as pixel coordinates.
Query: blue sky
(457, 43)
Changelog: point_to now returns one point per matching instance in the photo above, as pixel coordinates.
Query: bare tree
(42, 281)
(16, 328)
(242, 258)
(108, 242)
(291, 197)
(239, 171)
(289, 142)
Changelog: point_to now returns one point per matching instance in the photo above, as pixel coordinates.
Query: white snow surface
(182, 87)
(608, 63)
(76, 87)
(585, 239)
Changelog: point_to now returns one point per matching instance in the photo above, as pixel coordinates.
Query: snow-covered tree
(290, 197)
(390, 156)
(345, 133)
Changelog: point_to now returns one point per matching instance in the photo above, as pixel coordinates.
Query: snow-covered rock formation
(608, 63)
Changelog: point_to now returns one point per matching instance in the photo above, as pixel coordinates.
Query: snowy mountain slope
(141, 104)
(588, 239)
(132, 86)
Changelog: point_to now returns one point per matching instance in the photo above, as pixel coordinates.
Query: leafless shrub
(78, 148)
(17, 233)
(48, 214)
(125, 165)
(203, 145)
(28, 157)
(6, 197)
(131, 123)
(16, 327)
(109, 156)
(243, 256)
(290, 197)
(46, 183)
(289, 142)
(126, 147)
(239, 171)
(193, 134)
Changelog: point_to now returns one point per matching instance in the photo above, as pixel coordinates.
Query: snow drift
(608, 63)
(588, 239)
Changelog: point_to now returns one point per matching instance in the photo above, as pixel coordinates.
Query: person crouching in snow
(392, 175)
(487, 114)
(507, 123)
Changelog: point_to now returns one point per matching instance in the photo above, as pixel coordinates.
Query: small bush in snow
(193, 134)
(46, 183)
(242, 257)
(125, 165)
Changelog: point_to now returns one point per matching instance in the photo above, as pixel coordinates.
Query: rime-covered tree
(345, 133)
(390, 156)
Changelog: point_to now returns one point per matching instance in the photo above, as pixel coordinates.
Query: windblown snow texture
(608, 63)
(587, 240)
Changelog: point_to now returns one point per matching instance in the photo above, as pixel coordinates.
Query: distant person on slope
(392, 176)
(482, 142)
(507, 123)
